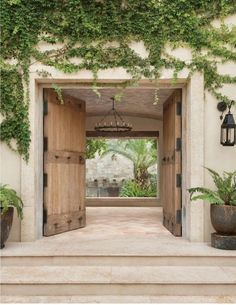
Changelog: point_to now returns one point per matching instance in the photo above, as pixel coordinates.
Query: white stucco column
(28, 177)
(193, 157)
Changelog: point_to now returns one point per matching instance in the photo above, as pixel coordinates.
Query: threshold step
(118, 260)
(98, 246)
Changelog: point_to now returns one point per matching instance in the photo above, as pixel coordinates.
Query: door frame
(192, 154)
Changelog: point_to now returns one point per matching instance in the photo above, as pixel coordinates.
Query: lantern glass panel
(223, 135)
(228, 135)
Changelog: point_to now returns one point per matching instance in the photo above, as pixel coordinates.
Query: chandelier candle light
(113, 122)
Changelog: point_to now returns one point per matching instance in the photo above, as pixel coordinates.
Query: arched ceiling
(135, 101)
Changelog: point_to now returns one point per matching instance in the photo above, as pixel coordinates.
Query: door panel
(64, 164)
(171, 164)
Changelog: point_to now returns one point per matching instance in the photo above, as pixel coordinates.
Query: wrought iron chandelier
(113, 121)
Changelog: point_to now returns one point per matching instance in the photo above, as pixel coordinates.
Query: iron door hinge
(45, 216)
(178, 180)
(45, 180)
(179, 216)
(45, 107)
(179, 108)
(178, 144)
(45, 102)
(45, 143)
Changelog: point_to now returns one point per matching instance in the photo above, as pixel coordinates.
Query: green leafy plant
(225, 193)
(9, 198)
(14, 128)
(133, 189)
(142, 153)
(94, 146)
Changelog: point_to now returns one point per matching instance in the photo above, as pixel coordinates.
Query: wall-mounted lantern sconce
(228, 127)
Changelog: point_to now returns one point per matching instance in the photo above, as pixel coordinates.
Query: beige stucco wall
(215, 156)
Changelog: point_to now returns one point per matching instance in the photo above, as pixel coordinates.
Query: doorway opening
(67, 191)
(122, 167)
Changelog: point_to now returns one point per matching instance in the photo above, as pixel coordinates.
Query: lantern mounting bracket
(222, 106)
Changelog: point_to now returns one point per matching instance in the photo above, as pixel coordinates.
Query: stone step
(118, 280)
(117, 260)
(119, 299)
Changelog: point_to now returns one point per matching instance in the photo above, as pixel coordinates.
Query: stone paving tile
(116, 231)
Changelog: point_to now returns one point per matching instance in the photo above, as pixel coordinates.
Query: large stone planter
(6, 223)
(223, 219)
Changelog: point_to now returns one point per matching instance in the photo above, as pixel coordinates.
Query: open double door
(64, 164)
(172, 164)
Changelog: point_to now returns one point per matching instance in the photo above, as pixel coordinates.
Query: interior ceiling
(135, 101)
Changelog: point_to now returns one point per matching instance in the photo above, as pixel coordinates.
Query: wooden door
(171, 164)
(64, 164)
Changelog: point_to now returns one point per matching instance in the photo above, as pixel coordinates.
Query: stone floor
(116, 231)
(119, 222)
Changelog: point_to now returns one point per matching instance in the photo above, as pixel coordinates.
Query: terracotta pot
(6, 223)
(223, 219)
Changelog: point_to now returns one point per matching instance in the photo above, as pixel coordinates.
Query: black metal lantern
(228, 129)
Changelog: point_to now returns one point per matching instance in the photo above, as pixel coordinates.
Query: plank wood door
(64, 164)
(171, 164)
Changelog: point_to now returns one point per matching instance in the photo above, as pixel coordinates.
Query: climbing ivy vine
(15, 129)
(99, 33)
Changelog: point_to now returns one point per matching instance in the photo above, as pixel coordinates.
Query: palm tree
(142, 152)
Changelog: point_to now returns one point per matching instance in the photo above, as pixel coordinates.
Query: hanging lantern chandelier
(113, 121)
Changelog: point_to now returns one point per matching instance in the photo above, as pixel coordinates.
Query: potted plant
(223, 204)
(8, 200)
